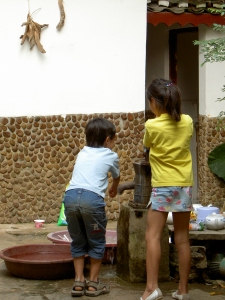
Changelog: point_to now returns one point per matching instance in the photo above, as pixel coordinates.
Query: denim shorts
(171, 198)
(86, 219)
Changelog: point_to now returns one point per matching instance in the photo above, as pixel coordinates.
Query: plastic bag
(62, 217)
(196, 226)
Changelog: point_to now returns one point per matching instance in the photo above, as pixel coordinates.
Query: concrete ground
(13, 288)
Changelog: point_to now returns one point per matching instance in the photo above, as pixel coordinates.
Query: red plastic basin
(39, 261)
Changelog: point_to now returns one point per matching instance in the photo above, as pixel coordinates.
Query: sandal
(78, 293)
(100, 288)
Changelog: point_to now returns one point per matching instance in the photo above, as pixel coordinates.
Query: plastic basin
(63, 237)
(39, 261)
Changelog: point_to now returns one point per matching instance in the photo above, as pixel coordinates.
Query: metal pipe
(125, 186)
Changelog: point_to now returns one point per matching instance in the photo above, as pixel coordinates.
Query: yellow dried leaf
(215, 293)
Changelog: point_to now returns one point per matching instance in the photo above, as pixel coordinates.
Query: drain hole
(138, 214)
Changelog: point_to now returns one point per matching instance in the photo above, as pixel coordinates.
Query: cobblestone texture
(37, 155)
(211, 188)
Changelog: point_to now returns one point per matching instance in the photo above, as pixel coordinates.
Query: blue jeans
(86, 219)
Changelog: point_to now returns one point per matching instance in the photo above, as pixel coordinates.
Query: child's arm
(113, 187)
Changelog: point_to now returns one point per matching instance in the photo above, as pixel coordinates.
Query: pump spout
(129, 185)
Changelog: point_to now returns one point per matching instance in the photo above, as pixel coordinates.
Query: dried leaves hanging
(33, 29)
(62, 15)
(33, 33)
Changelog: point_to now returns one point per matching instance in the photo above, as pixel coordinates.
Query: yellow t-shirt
(170, 156)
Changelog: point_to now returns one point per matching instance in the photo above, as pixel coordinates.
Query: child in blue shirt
(85, 205)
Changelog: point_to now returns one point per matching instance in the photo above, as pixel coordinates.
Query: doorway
(183, 70)
(171, 54)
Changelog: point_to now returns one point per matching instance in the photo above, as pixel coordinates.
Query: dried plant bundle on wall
(33, 33)
(62, 15)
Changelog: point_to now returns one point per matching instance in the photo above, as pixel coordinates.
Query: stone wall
(211, 188)
(37, 155)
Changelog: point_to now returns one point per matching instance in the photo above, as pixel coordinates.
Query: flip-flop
(78, 293)
(100, 289)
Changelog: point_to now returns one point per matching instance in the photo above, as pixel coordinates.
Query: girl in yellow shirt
(168, 137)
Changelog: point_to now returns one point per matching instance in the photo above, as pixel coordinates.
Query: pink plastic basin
(63, 237)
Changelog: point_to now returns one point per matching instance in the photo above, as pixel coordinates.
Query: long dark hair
(167, 96)
(97, 130)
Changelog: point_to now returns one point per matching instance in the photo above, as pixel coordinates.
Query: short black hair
(97, 130)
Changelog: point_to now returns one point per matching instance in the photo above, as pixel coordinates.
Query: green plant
(216, 161)
(214, 51)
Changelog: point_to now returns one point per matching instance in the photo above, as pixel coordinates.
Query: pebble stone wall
(37, 155)
(211, 188)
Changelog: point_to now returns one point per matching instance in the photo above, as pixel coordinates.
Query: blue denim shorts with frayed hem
(86, 219)
(171, 198)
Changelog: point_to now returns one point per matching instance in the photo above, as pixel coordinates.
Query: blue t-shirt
(91, 169)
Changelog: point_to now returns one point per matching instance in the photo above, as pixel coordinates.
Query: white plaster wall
(95, 64)
(211, 79)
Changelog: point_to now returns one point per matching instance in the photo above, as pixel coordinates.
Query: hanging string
(28, 6)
